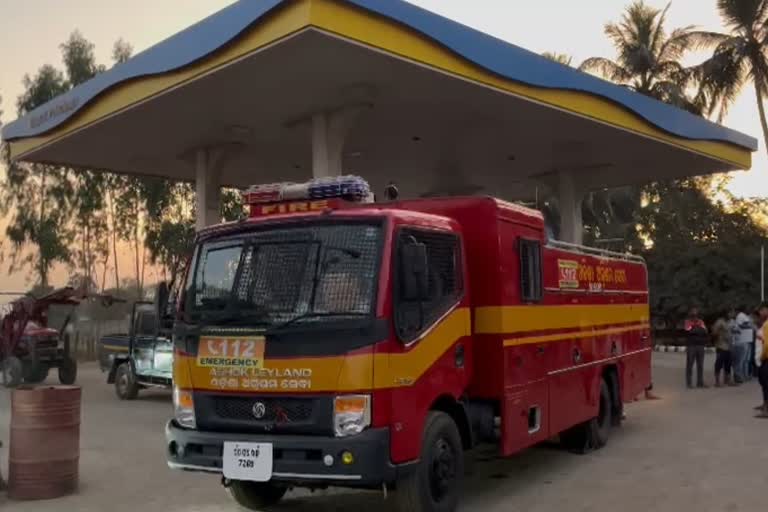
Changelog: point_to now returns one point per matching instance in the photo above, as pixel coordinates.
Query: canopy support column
(329, 132)
(208, 162)
(207, 188)
(571, 195)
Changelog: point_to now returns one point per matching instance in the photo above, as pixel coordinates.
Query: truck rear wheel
(68, 371)
(35, 372)
(12, 371)
(435, 484)
(126, 386)
(592, 434)
(256, 495)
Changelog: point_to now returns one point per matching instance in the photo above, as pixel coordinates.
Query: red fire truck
(327, 342)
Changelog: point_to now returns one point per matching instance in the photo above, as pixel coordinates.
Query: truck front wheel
(435, 484)
(256, 495)
(126, 386)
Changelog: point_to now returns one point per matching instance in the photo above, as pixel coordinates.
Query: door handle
(459, 356)
(576, 355)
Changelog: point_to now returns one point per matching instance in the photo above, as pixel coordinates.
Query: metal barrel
(45, 442)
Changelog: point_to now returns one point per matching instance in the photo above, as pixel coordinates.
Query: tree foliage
(648, 58)
(560, 58)
(699, 250)
(56, 215)
(121, 51)
(37, 196)
(703, 252)
(739, 57)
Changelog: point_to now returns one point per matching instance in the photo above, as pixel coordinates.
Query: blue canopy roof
(499, 57)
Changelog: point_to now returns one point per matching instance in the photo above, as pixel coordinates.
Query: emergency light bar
(350, 188)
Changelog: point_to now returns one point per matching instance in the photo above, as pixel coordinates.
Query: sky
(32, 30)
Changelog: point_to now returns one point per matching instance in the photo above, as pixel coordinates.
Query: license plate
(247, 461)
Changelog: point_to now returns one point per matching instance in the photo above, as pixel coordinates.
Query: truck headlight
(183, 408)
(351, 414)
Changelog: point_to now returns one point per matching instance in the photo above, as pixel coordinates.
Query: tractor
(29, 348)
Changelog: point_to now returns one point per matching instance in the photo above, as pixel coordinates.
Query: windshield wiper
(313, 314)
(256, 316)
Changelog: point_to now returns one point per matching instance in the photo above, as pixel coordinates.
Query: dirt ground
(693, 450)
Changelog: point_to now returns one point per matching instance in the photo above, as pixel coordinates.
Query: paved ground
(698, 450)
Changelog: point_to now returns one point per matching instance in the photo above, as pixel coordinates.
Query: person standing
(751, 367)
(733, 335)
(761, 358)
(722, 336)
(696, 338)
(740, 349)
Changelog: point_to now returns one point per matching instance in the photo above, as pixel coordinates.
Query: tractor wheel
(35, 372)
(68, 371)
(13, 371)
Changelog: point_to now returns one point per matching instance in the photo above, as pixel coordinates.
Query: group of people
(738, 336)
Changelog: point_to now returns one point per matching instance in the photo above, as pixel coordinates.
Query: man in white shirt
(741, 345)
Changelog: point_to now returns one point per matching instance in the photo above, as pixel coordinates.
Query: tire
(68, 371)
(435, 484)
(592, 434)
(256, 495)
(12, 371)
(35, 372)
(126, 386)
(601, 428)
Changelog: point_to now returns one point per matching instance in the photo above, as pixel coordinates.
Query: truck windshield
(286, 276)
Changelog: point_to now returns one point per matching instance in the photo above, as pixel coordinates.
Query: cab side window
(146, 324)
(530, 270)
(427, 279)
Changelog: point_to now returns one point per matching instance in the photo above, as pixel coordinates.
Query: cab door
(431, 354)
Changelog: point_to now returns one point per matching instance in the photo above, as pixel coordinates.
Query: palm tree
(739, 57)
(561, 58)
(648, 59)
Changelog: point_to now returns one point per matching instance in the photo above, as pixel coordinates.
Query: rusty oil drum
(45, 442)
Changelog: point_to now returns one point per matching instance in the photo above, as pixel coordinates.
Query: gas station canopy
(282, 90)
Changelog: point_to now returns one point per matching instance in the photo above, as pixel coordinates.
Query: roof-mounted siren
(314, 195)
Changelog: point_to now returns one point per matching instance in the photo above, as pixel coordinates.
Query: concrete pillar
(571, 195)
(207, 188)
(329, 131)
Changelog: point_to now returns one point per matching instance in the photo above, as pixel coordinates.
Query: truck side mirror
(414, 272)
(161, 303)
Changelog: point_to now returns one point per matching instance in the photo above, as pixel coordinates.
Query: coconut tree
(739, 57)
(648, 58)
(561, 58)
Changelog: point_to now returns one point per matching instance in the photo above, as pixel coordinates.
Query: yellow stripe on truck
(402, 369)
(390, 370)
(335, 373)
(563, 336)
(512, 319)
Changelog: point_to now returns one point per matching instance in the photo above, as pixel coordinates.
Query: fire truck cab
(327, 342)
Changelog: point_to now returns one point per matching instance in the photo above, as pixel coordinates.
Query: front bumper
(297, 459)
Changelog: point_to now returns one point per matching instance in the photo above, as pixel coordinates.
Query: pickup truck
(140, 359)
